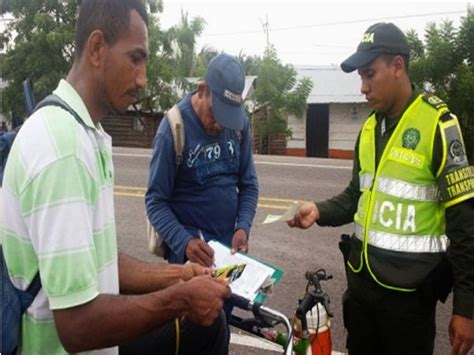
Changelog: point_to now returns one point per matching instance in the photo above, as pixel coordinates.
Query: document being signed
(255, 277)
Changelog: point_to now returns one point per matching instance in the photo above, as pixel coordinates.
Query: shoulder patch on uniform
(457, 151)
(434, 101)
(411, 138)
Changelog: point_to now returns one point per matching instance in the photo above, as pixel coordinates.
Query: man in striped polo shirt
(59, 215)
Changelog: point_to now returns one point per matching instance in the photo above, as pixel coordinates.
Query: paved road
(282, 180)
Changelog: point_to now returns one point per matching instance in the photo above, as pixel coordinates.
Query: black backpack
(6, 141)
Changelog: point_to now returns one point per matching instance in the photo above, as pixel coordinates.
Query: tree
(202, 61)
(43, 50)
(160, 93)
(251, 63)
(279, 90)
(444, 64)
(186, 33)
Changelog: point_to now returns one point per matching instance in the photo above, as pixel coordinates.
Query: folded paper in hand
(256, 278)
(287, 216)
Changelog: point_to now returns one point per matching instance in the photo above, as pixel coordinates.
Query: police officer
(411, 200)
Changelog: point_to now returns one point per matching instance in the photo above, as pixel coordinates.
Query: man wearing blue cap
(213, 192)
(411, 199)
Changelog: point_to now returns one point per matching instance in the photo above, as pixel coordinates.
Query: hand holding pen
(201, 236)
(199, 252)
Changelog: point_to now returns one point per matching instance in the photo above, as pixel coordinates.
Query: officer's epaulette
(433, 100)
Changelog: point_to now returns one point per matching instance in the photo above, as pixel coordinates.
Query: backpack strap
(34, 286)
(55, 100)
(175, 121)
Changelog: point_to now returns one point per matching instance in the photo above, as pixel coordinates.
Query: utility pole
(265, 30)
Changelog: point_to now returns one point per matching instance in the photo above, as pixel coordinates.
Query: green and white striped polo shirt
(58, 216)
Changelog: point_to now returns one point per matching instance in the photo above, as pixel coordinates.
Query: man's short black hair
(388, 58)
(112, 17)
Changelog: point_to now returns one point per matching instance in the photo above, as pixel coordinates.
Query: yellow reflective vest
(400, 218)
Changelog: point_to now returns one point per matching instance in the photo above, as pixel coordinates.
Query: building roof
(331, 84)
(249, 86)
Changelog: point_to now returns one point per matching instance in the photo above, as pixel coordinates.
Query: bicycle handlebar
(262, 312)
(314, 294)
(317, 295)
(241, 302)
(315, 278)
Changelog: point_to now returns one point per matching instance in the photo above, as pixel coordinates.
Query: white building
(336, 111)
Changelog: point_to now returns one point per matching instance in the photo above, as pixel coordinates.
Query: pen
(201, 236)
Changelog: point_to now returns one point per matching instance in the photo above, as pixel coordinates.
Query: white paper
(287, 216)
(253, 276)
(272, 218)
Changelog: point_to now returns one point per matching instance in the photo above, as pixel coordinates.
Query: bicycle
(298, 338)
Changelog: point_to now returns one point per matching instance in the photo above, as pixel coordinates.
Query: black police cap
(380, 38)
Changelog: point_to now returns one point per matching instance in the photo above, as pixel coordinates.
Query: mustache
(134, 92)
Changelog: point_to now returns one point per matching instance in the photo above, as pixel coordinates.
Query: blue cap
(225, 77)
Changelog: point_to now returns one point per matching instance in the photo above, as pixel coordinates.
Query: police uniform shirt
(452, 183)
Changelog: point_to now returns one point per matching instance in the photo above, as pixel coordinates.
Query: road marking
(258, 343)
(132, 188)
(304, 165)
(257, 162)
(136, 191)
(273, 199)
(274, 207)
(139, 189)
(128, 194)
(132, 155)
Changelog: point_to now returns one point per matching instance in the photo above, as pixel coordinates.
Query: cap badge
(231, 96)
(368, 38)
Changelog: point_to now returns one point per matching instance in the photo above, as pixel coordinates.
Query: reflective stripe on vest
(365, 181)
(404, 243)
(406, 190)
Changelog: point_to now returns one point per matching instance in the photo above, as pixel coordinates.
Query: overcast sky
(305, 32)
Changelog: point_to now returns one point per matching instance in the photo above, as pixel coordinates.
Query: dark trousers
(380, 321)
(193, 339)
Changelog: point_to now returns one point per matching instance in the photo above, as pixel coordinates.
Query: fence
(132, 129)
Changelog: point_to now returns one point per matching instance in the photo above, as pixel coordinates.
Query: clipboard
(256, 274)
